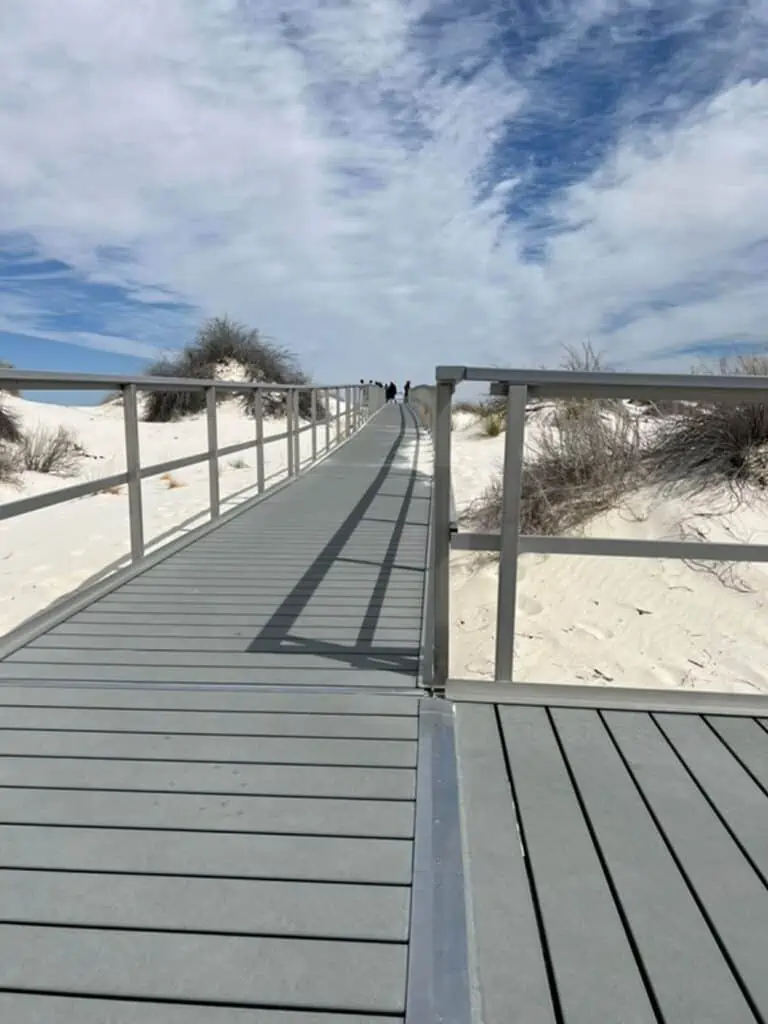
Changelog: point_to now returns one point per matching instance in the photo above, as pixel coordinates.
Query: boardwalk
(208, 773)
(226, 799)
(322, 579)
(618, 857)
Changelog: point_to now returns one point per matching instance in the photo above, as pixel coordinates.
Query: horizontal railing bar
(50, 380)
(704, 551)
(11, 509)
(461, 541)
(648, 386)
(166, 467)
(233, 449)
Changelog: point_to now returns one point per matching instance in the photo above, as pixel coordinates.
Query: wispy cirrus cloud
(386, 184)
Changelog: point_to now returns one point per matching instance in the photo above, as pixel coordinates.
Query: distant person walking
(406, 390)
(390, 392)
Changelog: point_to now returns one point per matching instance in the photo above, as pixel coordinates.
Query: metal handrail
(361, 402)
(520, 386)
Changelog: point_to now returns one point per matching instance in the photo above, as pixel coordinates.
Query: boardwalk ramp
(209, 767)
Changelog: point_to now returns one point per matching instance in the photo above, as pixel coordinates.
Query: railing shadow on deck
(277, 636)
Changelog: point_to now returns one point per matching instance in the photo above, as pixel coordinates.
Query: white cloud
(314, 170)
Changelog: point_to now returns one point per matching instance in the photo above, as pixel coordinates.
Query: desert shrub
(582, 465)
(10, 464)
(714, 443)
(50, 451)
(474, 408)
(584, 359)
(10, 431)
(492, 424)
(222, 341)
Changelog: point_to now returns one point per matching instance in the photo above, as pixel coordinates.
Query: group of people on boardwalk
(390, 390)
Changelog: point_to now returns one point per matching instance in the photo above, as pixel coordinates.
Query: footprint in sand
(593, 631)
(530, 606)
(476, 619)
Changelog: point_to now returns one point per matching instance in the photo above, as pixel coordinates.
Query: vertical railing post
(347, 411)
(441, 534)
(327, 400)
(510, 533)
(289, 429)
(313, 414)
(258, 412)
(296, 432)
(133, 469)
(213, 451)
(338, 415)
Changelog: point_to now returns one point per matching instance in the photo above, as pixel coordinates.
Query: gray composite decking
(208, 772)
(323, 579)
(616, 861)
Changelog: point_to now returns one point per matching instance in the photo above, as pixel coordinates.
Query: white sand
(46, 554)
(616, 621)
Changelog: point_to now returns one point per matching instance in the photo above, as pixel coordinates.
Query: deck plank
(585, 934)
(233, 702)
(285, 659)
(687, 972)
(213, 777)
(284, 673)
(747, 742)
(25, 1008)
(217, 749)
(360, 977)
(725, 884)
(381, 819)
(204, 637)
(225, 906)
(211, 723)
(209, 854)
(736, 797)
(509, 973)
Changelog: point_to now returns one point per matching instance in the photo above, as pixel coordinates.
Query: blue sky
(382, 185)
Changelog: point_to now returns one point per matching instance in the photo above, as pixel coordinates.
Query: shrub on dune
(45, 450)
(224, 343)
(706, 444)
(583, 463)
(10, 430)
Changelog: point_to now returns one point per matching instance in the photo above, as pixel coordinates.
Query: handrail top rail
(51, 380)
(584, 384)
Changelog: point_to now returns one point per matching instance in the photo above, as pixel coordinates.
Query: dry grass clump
(706, 444)
(492, 424)
(44, 450)
(10, 430)
(588, 455)
(10, 464)
(171, 482)
(583, 464)
(473, 408)
(222, 341)
(591, 453)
